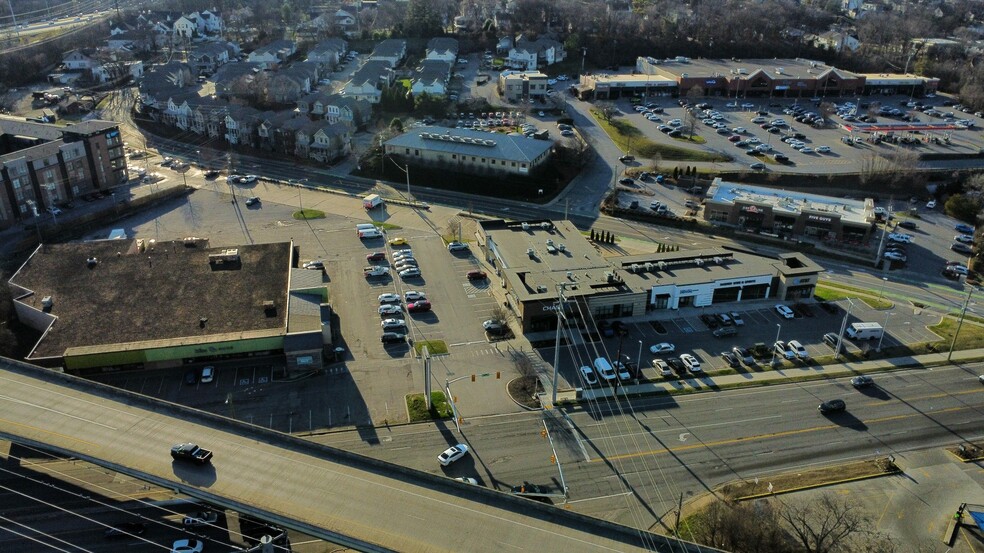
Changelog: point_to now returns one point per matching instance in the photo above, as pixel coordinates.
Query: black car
(125, 530)
(730, 359)
(832, 406)
(626, 181)
(677, 365)
(862, 381)
(191, 377)
(709, 320)
(392, 337)
(828, 307)
(526, 488)
(211, 174)
(620, 328)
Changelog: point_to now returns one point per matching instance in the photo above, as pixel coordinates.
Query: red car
(476, 275)
(376, 256)
(419, 306)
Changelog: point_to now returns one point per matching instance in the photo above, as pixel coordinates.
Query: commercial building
(535, 260)
(469, 151)
(519, 86)
(44, 165)
(119, 304)
(751, 78)
(784, 214)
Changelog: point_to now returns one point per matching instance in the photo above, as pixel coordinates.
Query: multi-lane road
(630, 461)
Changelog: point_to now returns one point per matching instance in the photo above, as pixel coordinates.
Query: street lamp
(884, 328)
(639, 362)
(407, 171)
(778, 330)
(882, 289)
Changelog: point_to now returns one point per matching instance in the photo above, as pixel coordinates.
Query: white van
(364, 226)
(604, 368)
(864, 331)
(369, 233)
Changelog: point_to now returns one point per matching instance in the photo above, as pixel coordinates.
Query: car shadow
(425, 317)
(846, 420)
(874, 392)
(202, 476)
(396, 350)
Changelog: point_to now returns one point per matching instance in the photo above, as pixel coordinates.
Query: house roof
(171, 288)
(497, 146)
(442, 44)
(276, 47)
(211, 49)
(370, 72)
(389, 48)
(433, 71)
(330, 45)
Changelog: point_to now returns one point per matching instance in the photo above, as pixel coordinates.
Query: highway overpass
(346, 498)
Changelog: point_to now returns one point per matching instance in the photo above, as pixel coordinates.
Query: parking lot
(689, 334)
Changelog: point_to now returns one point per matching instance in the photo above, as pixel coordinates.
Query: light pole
(840, 335)
(407, 171)
(560, 324)
(639, 362)
(884, 329)
(882, 289)
(778, 330)
(970, 292)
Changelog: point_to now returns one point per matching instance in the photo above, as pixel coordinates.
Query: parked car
(452, 454)
(208, 374)
(831, 339)
(391, 309)
(736, 318)
(588, 376)
(476, 275)
(781, 348)
(392, 324)
(457, 247)
(709, 320)
(205, 518)
(691, 363)
(376, 256)
(187, 546)
(964, 228)
(389, 298)
(392, 337)
(493, 326)
(662, 347)
(409, 273)
(798, 349)
(663, 367)
(316, 265)
(419, 306)
(252, 200)
(730, 359)
(744, 354)
(784, 311)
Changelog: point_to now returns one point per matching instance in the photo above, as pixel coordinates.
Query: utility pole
(970, 292)
(560, 325)
(676, 524)
(840, 335)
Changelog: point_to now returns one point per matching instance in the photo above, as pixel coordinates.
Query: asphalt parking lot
(761, 324)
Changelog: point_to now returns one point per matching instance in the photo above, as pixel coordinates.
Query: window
(454, 156)
(514, 164)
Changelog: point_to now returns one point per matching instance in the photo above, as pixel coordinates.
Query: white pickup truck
(375, 271)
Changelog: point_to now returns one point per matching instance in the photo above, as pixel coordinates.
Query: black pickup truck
(191, 452)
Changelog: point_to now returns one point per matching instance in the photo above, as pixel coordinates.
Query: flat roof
(468, 142)
(634, 79)
(782, 68)
(159, 294)
(785, 201)
(585, 272)
(894, 78)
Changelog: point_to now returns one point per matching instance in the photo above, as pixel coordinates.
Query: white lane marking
(62, 413)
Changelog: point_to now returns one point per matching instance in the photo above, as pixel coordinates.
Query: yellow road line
(933, 396)
(763, 436)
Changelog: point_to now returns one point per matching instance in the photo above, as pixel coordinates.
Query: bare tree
(498, 313)
(690, 117)
(655, 161)
(827, 524)
(751, 527)
(607, 110)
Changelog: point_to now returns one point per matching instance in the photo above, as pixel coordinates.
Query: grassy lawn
(628, 137)
(417, 408)
(306, 214)
(841, 292)
(695, 139)
(779, 483)
(435, 347)
(386, 226)
(971, 335)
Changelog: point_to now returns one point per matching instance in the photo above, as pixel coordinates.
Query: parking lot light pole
(840, 335)
(884, 326)
(778, 331)
(882, 289)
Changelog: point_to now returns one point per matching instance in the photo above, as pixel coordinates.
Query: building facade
(43, 165)
(467, 151)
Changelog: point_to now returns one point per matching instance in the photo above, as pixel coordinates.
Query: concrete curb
(814, 486)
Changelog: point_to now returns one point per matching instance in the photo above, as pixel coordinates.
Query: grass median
(418, 411)
(828, 291)
(629, 138)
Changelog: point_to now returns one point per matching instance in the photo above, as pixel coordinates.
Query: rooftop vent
(719, 260)
(562, 247)
(91, 262)
(47, 302)
(269, 308)
(531, 253)
(526, 226)
(541, 289)
(570, 275)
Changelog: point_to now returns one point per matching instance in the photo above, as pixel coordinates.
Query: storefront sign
(751, 209)
(710, 81)
(819, 219)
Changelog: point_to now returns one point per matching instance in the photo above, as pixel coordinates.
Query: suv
(781, 348)
(691, 363)
(457, 247)
(663, 367)
(784, 311)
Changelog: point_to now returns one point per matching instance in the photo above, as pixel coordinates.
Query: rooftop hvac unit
(47, 302)
(550, 242)
(699, 262)
(661, 265)
(718, 260)
(562, 247)
(546, 226)
(634, 268)
(609, 276)
(570, 275)
(541, 289)
(649, 267)
(526, 226)
(530, 252)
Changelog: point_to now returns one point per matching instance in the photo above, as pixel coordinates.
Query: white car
(623, 372)
(187, 546)
(753, 140)
(414, 295)
(691, 362)
(747, 105)
(823, 149)
(896, 256)
(400, 254)
(389, 298)
(409, 273)
(663, 367)
(798, 349)
(900, 237)
(784, 350)
(758, 120)
(390, 324)
(208, 374)
(784, 311)
(316, 265)
(675, 123)
(452, 454)
(588, 376)
(248, 179)
(662, 347)
(738, 130)
(390, 309)
(806, 150)
(931, 204)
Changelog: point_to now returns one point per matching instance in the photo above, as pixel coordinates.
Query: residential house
(240, 125)
(328, 52)
(228, 77)
(331, 142)
(184, 28)
(130, 41)
(266, 128)
(288, 85)
(178, 112)
(837, 41)
(273, 54)
(208, 115)
(79, 60)
(516, 86)
(346, 23)
(391, 50)
(527, 55)
(207, 57)
(368, 82)
(209, 23)
(285, 135)
(445, 49)
(313, 104)
(432, 78)
(346, 109)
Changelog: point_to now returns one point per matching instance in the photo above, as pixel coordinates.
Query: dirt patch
(968, 452)
(523, 391)
(823, 476)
